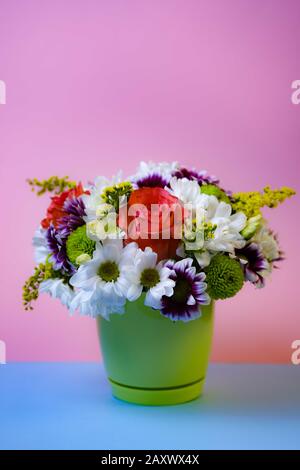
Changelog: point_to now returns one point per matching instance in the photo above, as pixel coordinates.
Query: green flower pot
(151, 360)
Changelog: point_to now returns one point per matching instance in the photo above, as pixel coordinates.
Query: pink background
(95, 86)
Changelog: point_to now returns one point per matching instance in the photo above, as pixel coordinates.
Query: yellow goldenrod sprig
(54, 184)
(251, 202)
(42, 272)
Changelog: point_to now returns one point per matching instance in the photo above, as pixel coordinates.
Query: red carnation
(56, 209)
(154, 226)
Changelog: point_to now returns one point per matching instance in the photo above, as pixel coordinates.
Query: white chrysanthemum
(154, 277)
(217, 231)
(163, 169)
(102, 283)
(267, 243)
(41, 250)
(226, 235)
(58, 289)
(101, 218)
(93, 200)
(188, 192)
(104, 225)
(202, 255)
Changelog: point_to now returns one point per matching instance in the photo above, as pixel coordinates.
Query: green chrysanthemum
(213, 190)
(224, 277)
(79, 244)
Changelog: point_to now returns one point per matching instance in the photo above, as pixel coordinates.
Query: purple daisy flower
(57, 238)
(75, 210)
(202, 177)
(189, 292)
(152, 181)
(57, 245)
(253, 263)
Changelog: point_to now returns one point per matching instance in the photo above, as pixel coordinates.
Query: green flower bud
(224, 277)
(252, 226)
(79, 244)
(213, 190)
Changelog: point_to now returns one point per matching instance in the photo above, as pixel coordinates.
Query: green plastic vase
(151, 360)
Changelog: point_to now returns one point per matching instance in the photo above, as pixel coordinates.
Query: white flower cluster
(114, 275)
(117, 272)
(218, 229)
(147, 169)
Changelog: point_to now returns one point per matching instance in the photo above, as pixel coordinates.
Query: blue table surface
(70, 406)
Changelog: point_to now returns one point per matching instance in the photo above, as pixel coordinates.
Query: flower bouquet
(148, 257)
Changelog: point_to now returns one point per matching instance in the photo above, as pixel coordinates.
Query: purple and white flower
(155, 180)
(200, 176)
(56, 238)
(75, 210)
(253, 263)
(57, 246)
(189, 292)
(148, 172)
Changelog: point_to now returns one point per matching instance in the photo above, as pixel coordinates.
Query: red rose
(56, 209)
(154, 226)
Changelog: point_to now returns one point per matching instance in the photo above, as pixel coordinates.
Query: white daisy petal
(146, 260)
(58, 289)
(191, 300)
(96, 296)
(41, 250)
